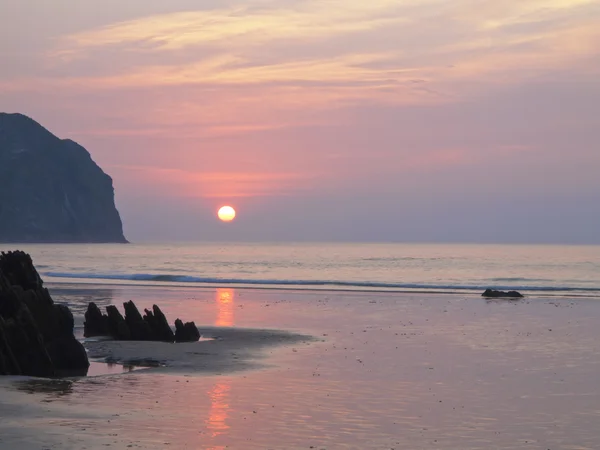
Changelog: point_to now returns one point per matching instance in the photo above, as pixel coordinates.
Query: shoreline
(313, 289)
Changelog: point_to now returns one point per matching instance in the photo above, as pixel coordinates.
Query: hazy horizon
(466, 121)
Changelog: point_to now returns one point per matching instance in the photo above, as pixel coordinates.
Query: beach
(300, 225)
(301, 369)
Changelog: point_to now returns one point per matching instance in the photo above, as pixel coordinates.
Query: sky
(320, 120)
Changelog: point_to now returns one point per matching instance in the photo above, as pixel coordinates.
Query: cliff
(50, 189)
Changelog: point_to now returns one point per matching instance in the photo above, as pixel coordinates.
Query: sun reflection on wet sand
(219, 395)
(219, 409)
(224, 300)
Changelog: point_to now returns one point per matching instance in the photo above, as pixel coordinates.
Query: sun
(226, 213)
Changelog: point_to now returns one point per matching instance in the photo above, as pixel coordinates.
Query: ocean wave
(314, 283)
(517, 279)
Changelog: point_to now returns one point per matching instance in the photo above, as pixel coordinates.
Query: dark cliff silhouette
(50, 189)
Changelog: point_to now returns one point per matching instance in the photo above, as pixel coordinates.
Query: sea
(394, 348)
(464, 268)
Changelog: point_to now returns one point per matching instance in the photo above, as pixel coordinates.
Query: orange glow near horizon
(225, 186)
(224, 300)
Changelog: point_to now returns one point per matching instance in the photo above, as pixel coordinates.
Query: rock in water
(139, 328)
(162, 330)
(490, 293)
(96, 323)
(153, 326)
(27, 345)
(66, 355)
(51, 190)
(36, 335)
(187, 332)
(117, 326)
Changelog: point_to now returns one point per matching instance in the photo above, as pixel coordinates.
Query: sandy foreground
(327, 370)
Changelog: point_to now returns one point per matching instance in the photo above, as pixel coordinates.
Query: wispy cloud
(330, 53)
(378, 43)
(241, 26)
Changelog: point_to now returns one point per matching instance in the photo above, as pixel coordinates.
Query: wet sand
(383, 370)
(220, 351)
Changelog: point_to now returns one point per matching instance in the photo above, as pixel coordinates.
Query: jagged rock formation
(117, 327)
(36, 335)
(490, 293)
(139, 328)
(153, 326)
(186, 332)
(96, 324)
(50, 189)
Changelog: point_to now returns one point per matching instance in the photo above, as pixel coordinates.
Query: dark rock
(96, 323)
(63, 320)
(192, 331)
(8, 362)
(51, 190)
(153, 326)
(151, 321)
(18, 270)
(117, 327)
(36, 335)
(68, 356)
(27, 345)
(179, 331)
(54, 321)
(9, 301)
(187, 332)
(139, 328)
(162, 330)
(490, 293)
